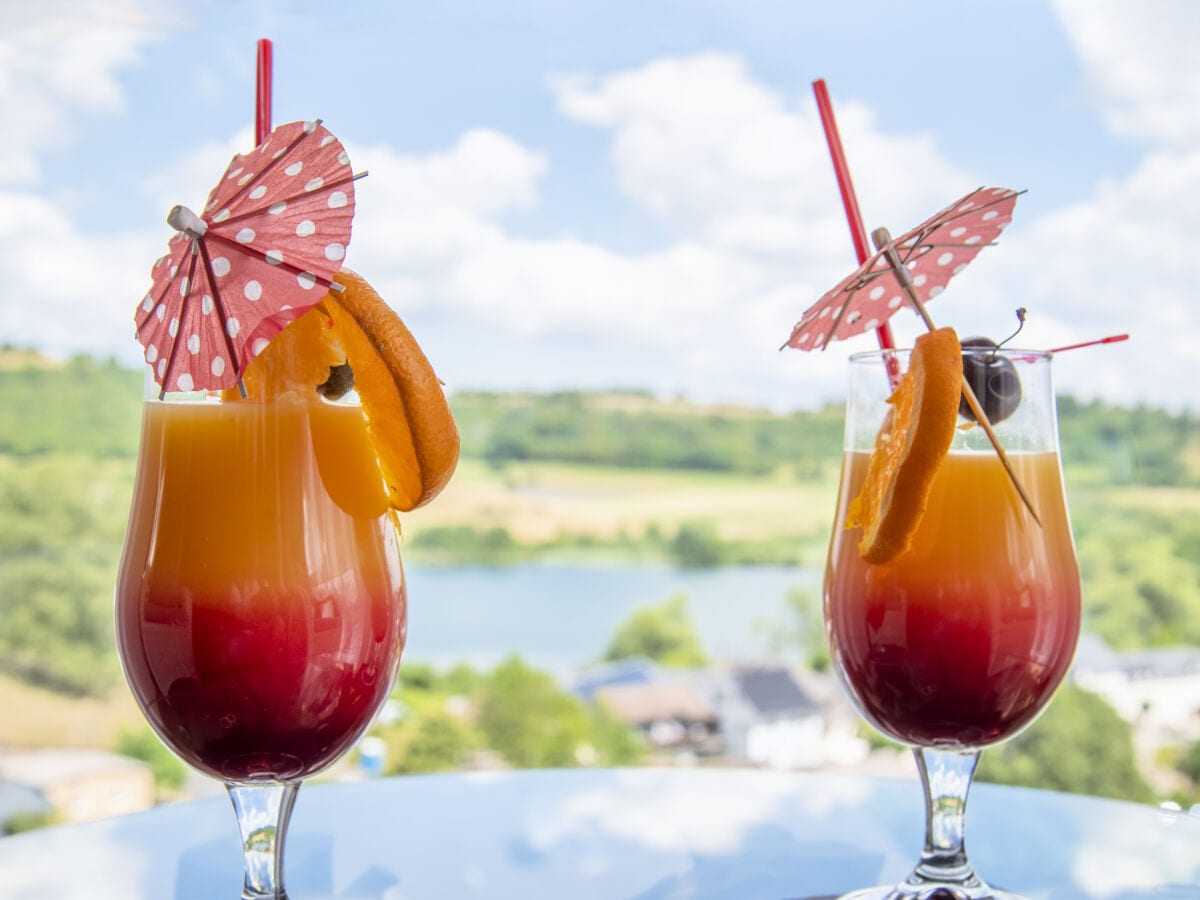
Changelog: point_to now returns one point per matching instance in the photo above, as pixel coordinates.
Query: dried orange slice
(910, 448)
(407, 414)
(300, 356)
(409, 420)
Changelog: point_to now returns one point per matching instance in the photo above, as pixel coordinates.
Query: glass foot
(931, 892)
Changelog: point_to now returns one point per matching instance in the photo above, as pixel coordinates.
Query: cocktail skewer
(882, 239)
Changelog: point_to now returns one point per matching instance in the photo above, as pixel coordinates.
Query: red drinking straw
(1111, 339)
(858, 233)
(262, 93)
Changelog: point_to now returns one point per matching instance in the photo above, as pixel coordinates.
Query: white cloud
(1141, 64)
(56, 67)
(420, 219)
(1123, 261)
(738, 175)
(67, 289)
(698, 141)
(189, 178)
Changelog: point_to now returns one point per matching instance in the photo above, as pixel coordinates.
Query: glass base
(931, 892)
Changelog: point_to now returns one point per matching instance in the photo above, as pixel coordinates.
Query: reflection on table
(640, 834)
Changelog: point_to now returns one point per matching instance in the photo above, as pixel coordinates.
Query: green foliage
(803, 631)
(516, 711)
(60, 541)
(1140, 573)
(462, 680)
(430, 741)
(457, 543)
(29, 821)
(615, 743)
(697, 546)
(1188, 763)
(1128, 446)
(635, 431)
(417, 676)
(1079, 745)
(531, 723)
(663, 633)
(85, 407)
(144, 744)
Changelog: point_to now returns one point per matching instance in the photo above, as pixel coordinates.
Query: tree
(143, 744)
(1080, 745)
(696, 546)
(663, 633)
(803, 631)
(531, 723)
(432, 741)
(1188, 763)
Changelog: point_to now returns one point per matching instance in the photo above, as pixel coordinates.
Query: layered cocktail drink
(961, 640)
(952, 593)
(261, 604)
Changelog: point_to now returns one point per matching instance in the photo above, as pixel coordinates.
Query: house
(768, 718)
(1158, 689)
(634, 670)
(672, 715)
(81, 784)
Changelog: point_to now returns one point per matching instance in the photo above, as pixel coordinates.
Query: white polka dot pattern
(872, 293)
(279, 222)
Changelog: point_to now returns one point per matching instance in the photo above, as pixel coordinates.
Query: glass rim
(1011, 353)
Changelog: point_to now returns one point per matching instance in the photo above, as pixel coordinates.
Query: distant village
(756, 714)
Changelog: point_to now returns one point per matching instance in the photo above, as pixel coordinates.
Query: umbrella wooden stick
(882, 239)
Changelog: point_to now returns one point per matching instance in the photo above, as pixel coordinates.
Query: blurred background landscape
(601, 219)
(610, 579)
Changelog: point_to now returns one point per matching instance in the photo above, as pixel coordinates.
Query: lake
(558, 617)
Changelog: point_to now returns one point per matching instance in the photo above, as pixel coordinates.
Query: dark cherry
(994, 380)
(338, 384)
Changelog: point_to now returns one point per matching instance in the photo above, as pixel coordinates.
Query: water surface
(559, 617)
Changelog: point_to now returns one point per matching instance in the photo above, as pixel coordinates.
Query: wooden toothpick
(882, 239)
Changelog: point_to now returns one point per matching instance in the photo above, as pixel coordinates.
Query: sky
(618, 194)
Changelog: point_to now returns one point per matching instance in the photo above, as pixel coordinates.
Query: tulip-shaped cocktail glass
(960, 641)
(260, 602)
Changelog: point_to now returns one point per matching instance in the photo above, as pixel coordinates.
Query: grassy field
(539, 503)
(39, 718)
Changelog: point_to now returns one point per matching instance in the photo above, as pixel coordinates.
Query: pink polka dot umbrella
(922, 263)
(910, 271)
(270, 240)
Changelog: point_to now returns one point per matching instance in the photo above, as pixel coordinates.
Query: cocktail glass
(960, 642)
(260, 604)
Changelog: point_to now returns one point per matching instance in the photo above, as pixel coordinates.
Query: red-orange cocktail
(960, 641)
(952, 602)
(261, 604)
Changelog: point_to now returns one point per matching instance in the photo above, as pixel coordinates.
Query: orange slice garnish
(407, 414)
(301, 355)
(411, 427)
(910, 448)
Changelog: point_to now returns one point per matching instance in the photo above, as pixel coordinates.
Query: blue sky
(627, 194)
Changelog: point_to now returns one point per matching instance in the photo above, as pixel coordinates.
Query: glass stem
(946, 776)
(263, 809)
